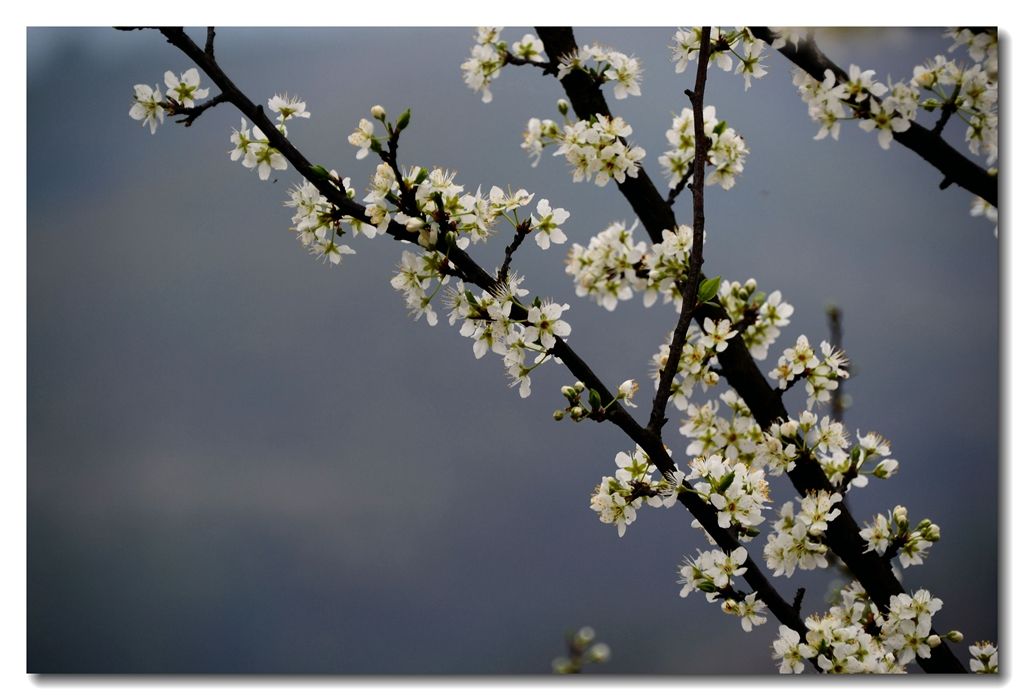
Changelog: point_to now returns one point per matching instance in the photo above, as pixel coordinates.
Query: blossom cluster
(617, 498)
(738, 47)
(249, 145)
(318, 225)
(490, 53)
(738, 438)
(578, 409)
(595, 148)
(855, 637)
(613, 267)
(727, 151)
(605, 65)
(736, 491)
(711, 572)
(762, 315)
(892, 534)
(695, 367)
(822, 373)
(831, 101)
(827, 441)
(150, 107)
(487, 320)
(972, 91)
(798, 540)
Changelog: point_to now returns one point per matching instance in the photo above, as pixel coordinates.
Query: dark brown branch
(689, 303)
(738, 367)
(835, 338)
(471, 272)
(948, 110)
(211, 33)
(954, 166)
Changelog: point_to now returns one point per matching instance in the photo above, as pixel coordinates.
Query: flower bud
(576, 413)
(955, 636)
(579, 387)
(584, 636)
(600, 653)
(568, 392)
(558, 415)
(562, 665)
(933, 641)
(563, 107)
(403, 119)
(415, 224)
(899, 516)
(377, 112)
(730, 607)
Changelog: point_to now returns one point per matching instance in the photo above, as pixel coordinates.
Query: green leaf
(595, 399)
(720, 127)
(708, 289)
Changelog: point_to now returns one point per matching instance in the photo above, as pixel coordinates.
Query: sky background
(241, 460)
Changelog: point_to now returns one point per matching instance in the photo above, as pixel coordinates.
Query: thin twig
(681, 185)
(689, 303)
(522, 231)
(191, 113)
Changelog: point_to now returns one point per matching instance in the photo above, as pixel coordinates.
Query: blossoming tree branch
(741, 443)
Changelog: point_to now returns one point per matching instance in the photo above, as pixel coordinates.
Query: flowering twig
(689, 303)
(954, 166)
(468, 270)
(737, 365)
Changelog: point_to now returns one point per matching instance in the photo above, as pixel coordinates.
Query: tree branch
(955, 167)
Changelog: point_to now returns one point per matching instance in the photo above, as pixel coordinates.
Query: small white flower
(287, 107)
(147, 108)
(546, 227)
(185, 89)
(362, 138)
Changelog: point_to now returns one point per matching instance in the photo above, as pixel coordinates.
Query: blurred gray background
(241, 460)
